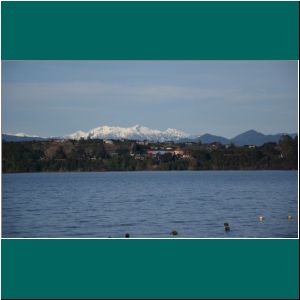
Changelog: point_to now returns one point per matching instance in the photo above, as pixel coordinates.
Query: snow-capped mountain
(22, 134)
(136, 132)
(21, 137)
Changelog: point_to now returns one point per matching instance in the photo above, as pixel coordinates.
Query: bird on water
(226, 226)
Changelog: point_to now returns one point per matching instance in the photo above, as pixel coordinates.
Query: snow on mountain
(77, 135)
(22, 134)
(20, 138)
(136, 132)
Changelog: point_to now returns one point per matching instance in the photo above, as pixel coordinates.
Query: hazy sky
(52, 98)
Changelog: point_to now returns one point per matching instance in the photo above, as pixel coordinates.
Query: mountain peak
(136, 126)
(251, 132)
(136, 132)
(252, 137)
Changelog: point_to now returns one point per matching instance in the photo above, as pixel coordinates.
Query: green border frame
(150, 30)
(150, 268)
(168, 269)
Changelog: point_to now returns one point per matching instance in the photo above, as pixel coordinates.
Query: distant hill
(137, 132)
(250, 137)
(17, 138)
(209, 138)
(253, 137)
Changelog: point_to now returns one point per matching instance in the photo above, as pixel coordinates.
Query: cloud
(99, 89)
(90, 91)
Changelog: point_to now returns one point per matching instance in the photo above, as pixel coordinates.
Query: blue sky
(52, 98)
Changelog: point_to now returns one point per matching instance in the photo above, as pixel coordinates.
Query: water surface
(150, 204)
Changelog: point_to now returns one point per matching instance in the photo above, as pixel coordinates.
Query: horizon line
(22, 134)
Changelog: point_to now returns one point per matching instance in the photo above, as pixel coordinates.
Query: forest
(127, 155)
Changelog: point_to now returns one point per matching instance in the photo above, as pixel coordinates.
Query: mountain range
(21, 137)
(250, 137)
(137, 132)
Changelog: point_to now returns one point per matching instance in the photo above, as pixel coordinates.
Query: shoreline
(157, 171)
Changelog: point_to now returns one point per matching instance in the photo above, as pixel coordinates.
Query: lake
(150, 204)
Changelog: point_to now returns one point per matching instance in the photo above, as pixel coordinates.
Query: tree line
(97, 155)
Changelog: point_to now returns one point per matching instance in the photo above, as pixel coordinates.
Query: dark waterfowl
(226, 226)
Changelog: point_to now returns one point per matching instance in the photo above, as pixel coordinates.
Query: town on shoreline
(131, 155)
